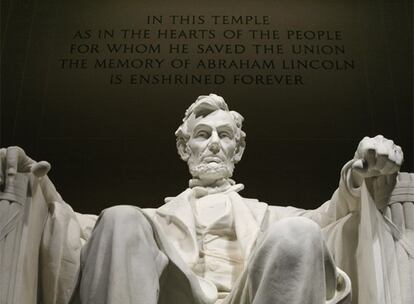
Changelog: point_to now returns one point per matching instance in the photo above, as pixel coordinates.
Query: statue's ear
(239, 152)
(183, 150)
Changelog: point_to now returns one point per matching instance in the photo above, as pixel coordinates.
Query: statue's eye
(203, 134)
(224, 134)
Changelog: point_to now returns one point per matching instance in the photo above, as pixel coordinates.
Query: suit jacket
(176, 235)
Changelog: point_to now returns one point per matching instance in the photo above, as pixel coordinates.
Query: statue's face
(212, 146)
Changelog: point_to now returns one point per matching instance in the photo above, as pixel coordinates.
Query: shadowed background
(114, 144)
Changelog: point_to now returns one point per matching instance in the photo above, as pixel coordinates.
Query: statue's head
(211, 139)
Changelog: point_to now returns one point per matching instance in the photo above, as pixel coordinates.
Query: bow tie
(222, 186)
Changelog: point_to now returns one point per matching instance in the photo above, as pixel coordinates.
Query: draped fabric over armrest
(375, 246)
(40, 241)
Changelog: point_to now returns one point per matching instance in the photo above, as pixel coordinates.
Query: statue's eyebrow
(201, 125)
(226, 127)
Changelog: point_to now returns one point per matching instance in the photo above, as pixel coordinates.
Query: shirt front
(220, 258)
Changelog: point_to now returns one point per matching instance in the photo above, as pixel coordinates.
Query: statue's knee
(293, 235)
(122, 216)
(295, 226)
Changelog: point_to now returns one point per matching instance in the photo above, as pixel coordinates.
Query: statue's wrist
(16, 188)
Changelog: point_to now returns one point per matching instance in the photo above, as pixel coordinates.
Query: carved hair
(203, 106)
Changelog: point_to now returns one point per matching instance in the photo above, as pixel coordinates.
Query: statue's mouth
(212, 159)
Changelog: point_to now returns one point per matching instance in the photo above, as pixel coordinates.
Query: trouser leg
(121, 262)
(291, 265)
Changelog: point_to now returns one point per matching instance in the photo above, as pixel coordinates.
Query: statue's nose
(214, 147)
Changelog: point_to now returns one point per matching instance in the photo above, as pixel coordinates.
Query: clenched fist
(14, 160)
(375, 157)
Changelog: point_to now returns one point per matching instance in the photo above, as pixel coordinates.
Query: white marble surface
(368, 222)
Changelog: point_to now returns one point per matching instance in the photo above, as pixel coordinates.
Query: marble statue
(209, 244)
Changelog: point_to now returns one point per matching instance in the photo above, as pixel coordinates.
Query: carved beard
(211, 170)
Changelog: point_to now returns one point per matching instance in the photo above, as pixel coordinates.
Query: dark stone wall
(112, 144)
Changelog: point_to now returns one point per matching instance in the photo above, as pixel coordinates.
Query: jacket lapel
(177, 222)
(248, 218)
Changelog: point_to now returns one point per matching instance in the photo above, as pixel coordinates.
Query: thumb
(360, 166)
(41, 168)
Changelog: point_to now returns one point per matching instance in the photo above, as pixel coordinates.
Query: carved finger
(389, 144)
(399, 155)
(360, 166)
(366, 144)
(24, 162)
(371, 158)
(16, 161)
(390, 167)
(358, 152)
(381, 161)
